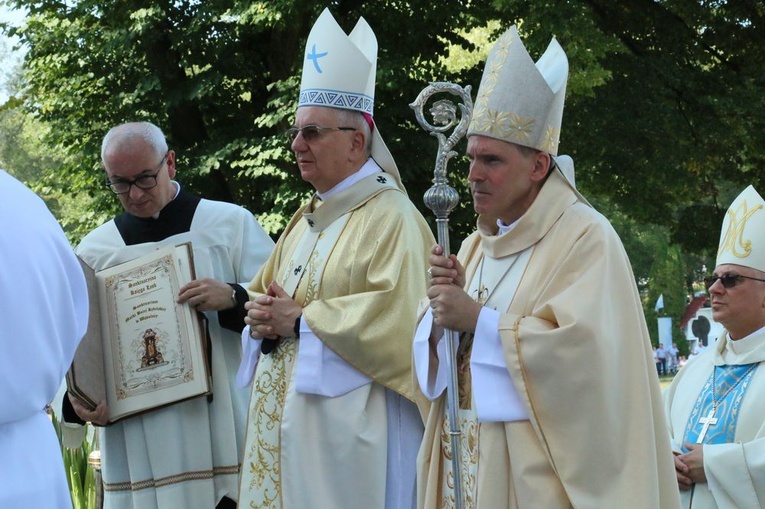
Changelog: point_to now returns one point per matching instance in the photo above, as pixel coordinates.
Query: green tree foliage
(664, 281)
(664, 113)
(676, 127)
(221, 77)
(664, 116)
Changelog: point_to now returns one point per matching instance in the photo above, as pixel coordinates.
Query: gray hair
(145, 131)
(353, 118)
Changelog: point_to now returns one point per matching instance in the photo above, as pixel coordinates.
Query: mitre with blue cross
(742, 238)
(339, 71)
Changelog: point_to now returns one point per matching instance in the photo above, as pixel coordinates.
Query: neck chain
(733, 386)
(482, 294)
(710, 419)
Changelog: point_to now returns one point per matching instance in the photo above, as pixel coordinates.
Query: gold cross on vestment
(709, 420)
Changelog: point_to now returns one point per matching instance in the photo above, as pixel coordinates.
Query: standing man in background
(187, 454)
(331, 423)
(559, 403)
(714, 404)
(661, 356)
(672, 354)
(43, 316)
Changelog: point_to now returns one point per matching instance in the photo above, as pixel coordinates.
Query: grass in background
(665, 381)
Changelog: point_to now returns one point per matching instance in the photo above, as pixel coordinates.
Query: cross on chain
(482, 294)
(709, 420)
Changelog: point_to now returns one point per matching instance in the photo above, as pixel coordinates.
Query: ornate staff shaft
(441, 199)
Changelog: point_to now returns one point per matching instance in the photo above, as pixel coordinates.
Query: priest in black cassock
(187, 454)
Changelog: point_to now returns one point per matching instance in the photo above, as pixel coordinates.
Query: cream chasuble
(734, 434)
(493, 284)
(358, 288)
(577, 350)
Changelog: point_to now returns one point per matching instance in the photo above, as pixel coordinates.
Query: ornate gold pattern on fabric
(503, 46)
(520, 101)
(172, 479)
(315, 265)
(483, 118)
(469, 429)
(550, 139)
(734, 236)
(492, 78)
(262, 459)
(505, 125)
(520, 127)
(464, 377)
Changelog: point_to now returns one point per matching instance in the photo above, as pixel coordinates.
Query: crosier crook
(441, 199)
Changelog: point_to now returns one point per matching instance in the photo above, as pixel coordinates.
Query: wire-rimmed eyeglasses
(313, 132)
(727, 280)
(146, 181)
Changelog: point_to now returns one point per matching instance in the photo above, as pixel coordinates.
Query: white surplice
(187, 454)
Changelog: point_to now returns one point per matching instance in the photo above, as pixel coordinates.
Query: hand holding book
(144, 349)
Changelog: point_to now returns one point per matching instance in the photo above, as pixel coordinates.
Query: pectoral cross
(709, 420)
(481, 294)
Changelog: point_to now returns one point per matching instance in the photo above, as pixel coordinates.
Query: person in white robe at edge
(43, 317)
(559, 401)
(332, 423)
(714, 406)
(188, 454)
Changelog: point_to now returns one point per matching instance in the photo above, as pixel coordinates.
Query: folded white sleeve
(321, 371)
(496, 398)
(432, 378)
(250, 356)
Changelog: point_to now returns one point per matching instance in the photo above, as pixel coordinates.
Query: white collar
(369, 168)
(504, 228)
(755, 333)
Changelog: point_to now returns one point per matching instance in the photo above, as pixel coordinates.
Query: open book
(142, 349)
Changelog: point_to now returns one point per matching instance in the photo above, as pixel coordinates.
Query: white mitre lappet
(742, 238)
(521, 102)
(339, 71)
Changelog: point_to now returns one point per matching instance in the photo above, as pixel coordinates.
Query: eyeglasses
(313, 132)
(147, 181)
(727, 280)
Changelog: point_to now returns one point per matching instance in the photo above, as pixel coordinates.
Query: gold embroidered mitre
(519, 101)
(742, 238)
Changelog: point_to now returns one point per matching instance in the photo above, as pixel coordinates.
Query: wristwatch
(233, 296)
(296, 328)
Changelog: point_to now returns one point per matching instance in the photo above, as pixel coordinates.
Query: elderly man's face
(138, 159)
(330, 156)
(503, 180)
(740, 308)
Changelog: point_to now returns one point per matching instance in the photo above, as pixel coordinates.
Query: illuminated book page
(155, 354)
